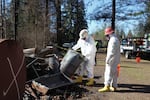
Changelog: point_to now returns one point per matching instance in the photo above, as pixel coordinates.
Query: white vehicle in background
(130, 47)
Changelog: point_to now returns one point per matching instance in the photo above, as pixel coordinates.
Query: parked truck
(136, 46)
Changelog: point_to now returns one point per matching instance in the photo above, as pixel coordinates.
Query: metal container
(53, 63)
(71, 62)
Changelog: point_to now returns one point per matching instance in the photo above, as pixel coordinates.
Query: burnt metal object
(53, 81)
(71, 62)
(50, 81)
(36, 67)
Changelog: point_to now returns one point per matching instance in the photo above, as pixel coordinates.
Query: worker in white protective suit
(88, 49)
(112, 61)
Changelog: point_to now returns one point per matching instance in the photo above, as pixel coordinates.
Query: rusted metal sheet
(13, 71)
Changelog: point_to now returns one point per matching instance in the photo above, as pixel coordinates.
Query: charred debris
(50, 76)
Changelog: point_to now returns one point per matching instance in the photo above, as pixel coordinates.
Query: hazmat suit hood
(83, 34)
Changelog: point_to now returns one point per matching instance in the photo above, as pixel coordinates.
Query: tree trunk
(58, 11)
(16, 10)
(46, 24)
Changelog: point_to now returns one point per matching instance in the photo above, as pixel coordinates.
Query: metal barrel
(71, 62)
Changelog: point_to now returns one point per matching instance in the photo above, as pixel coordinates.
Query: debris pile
(50, 78)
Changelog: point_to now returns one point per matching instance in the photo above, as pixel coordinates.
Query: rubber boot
(90, 82)
(104, 89)
(112, 89)
(79, 79)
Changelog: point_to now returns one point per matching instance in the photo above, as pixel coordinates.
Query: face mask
(107, 37)
(83, 38)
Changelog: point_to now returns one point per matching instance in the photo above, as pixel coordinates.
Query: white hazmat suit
(112, 61)
(88, 49)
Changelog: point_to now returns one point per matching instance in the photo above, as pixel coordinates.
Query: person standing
(88, 49)
(112, 61)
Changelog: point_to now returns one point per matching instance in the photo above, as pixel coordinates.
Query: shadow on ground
(129, 88)
(134, 88)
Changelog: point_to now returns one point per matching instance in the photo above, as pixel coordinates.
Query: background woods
(38, 23)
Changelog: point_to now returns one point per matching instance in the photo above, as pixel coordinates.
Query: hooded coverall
(88, 49)
(112, 60)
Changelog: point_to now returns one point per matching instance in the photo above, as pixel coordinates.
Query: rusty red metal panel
(12, 70)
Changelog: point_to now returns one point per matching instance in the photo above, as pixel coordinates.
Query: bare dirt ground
(133, 81)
